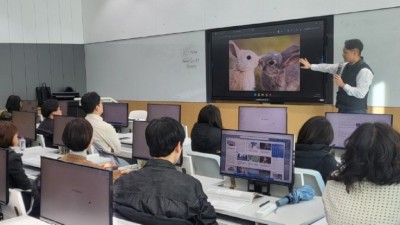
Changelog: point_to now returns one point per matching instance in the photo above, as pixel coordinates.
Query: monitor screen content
(3, 176)
(156, 111)
(25, 123)
(29, 105)
(140, 150)
(58, 128)
(116, 114)
(75, 194)
(263, 119)
(344, 124)
(259, 156)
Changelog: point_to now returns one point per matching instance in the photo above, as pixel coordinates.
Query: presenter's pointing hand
(305, 64)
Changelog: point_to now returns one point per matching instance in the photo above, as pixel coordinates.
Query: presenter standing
(353, 77)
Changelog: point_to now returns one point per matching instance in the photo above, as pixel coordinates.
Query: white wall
(41, 21)
(106, 20)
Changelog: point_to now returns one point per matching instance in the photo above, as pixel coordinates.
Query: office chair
(16, 206)
(39, 141)
(187, 165)
(140, 115)
(310, 177)
(205, 164)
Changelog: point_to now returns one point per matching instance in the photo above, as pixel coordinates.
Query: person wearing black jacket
(16, 174)
(312, 147)
(206, 133)
(158, 193)
(50, 108)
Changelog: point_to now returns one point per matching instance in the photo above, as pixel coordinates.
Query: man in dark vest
(353, 77)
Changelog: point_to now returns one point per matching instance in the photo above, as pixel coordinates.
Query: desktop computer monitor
(116, 114)
(74, 109)
(58, 128)
(263, 119)
(3, 176)
(75, 194)
(140, 150)
(344, 124)
(64, 107)
(258, 156)
(29, 105)
(156, 111)
(25, 123)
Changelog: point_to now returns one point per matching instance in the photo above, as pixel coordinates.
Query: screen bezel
(258, 180)
(325, 94)
(32, 131)
(106, 172)
(163, 105)
(357, 115)
(106, 106)
(180, 161)
(286, 115)
(5, 183)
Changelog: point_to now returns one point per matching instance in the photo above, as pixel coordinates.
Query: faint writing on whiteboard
(190, 57)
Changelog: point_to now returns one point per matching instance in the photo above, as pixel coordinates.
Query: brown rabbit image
(281, 71)
(241, 76)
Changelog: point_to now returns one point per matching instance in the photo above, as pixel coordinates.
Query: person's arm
(363, 81)
(17, 172)
(112, 139)
(323, 67)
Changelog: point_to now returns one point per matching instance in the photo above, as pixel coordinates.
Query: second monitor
(116, 114)
(263, 119)
(156, 111)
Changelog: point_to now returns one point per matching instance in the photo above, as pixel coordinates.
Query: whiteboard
(380, 33)
(161, 68)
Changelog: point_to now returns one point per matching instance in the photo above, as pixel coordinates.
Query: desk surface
(302, 213)
(27, 220)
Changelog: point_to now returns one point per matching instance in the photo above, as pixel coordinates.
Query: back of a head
(7, 132)
(89, 101)
(316, 130)
(211, 115)
(372, 153)
(13, 103)
(77, 134)
(49, 106)
(354, 44)
(162, 136)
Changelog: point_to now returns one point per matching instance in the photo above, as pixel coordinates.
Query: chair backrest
(205, 164)
(40, 140)
(138, 115)
(310, 177)
(187, 165)
(16, 206)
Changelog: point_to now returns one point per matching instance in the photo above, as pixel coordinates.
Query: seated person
(104, 134)
(13, 104)
(16, 173)
(50, 108)
(366, 188)
(206, 133)
(158, 192)
(312, 147)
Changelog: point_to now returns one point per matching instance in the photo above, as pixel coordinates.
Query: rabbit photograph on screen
(265, 63)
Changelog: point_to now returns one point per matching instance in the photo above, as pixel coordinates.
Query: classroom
(154, 52)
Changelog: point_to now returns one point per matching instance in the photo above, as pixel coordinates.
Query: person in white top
(353, 77)
(366, 187)
(104, 134)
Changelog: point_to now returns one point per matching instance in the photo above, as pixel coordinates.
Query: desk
(27, 220)
(305, 212)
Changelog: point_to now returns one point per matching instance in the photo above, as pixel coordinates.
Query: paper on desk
(226, 204)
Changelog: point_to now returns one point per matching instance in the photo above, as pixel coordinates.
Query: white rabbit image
(281, 71)
(241, 76)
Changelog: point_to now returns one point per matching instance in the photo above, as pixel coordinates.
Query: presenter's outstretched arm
(305, 63)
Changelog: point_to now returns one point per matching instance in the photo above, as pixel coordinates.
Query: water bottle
(22, 143)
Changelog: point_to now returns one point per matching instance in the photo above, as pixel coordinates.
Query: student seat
(205, 164)
(16, 206)
(310, 177)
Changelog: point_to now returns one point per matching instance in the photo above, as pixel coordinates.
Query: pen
(262, 204)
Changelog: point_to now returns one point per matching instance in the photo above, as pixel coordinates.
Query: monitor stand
(259, 187)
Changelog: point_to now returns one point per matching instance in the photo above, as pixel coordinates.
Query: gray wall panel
(31, 68)
(79, 67)
(57, 78)
(44, 64)
(18, 70)
(68, 65)
(5, 73)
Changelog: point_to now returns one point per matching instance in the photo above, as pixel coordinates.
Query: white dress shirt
(363, 79)
(104, 134)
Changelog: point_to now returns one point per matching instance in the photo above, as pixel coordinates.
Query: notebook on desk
(227, 199)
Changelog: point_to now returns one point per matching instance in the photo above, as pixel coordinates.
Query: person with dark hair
(16, 173)
(366, 188)
(353, 78)
(13, 104)
(158, 193)
(49, 109)
(206, 133)
(104, 134)
(312, 147)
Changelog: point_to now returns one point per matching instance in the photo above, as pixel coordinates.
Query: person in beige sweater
(366, 187)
